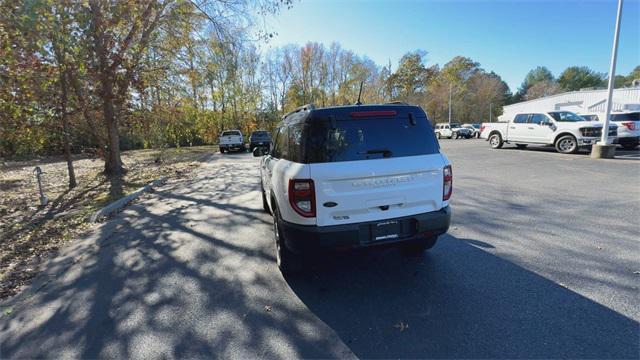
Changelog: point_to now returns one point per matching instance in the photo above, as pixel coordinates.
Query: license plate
(386, 230)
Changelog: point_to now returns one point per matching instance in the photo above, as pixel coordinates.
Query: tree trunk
(113, 162)
(65, 129)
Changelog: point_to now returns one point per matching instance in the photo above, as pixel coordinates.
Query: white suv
(354, 176)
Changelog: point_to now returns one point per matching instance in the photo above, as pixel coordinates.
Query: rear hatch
(628, 123)
(374, 168)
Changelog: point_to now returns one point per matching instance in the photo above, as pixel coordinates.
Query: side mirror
(260, 151)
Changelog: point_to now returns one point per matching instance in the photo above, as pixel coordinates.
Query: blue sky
(508, 37)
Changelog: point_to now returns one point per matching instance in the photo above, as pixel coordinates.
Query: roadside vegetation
(29, 232)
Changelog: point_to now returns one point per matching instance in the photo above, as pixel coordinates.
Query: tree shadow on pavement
(458, 301)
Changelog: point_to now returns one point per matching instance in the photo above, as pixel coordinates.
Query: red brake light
(381, 113)
(302, 197)
(630, 125)
(447, 180)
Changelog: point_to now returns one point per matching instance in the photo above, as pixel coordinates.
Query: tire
(417, 247)
(222, 151)
(567, 144)
(629, 145)
(438, 136)
(521, 146)
(495, 140)
(455, 135)
(265, 204)
(288, 262)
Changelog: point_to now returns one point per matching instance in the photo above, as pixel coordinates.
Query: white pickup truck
(231, 140)
(565, 130)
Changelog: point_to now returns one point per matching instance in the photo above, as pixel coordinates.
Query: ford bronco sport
(353, 177)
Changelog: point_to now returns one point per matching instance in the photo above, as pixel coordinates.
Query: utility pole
(604, 149)
(450, 89)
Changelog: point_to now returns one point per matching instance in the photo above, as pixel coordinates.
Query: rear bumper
(306, 239)
(255, 144)
(232, 146)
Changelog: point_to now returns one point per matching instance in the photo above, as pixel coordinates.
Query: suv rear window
(369, 138)
(260, 135)
(634, 116)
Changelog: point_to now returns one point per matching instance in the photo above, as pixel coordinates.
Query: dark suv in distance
(259, 138)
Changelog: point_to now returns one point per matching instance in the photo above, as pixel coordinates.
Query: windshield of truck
(566, 116)
(231, 133)
(260, 135)
(372, 138)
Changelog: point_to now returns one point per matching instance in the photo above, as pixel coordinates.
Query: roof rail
(397, 103)
(301, 108)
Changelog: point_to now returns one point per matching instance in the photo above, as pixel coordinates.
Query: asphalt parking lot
(541, 262)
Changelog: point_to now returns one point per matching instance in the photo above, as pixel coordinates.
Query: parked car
(474, 128)
(354, 177)
(259, 138)
(565, 130)
(451, 131)
(628, 126)
(231, 140)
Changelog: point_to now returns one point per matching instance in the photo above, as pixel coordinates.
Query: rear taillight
(302, 197)
(481, 128)
(629, 125)
(447, 179)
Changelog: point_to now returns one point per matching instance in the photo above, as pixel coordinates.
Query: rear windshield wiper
(384, 152)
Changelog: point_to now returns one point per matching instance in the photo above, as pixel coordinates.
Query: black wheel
(567, 144)
(521, 146)
(495, 140)
(629, 145)
(287, 261)
(265, 205)
(417, 247)
(438, 135)
(222, 151)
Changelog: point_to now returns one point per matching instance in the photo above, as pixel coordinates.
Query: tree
(542, 89)
(538, 74)
(575, 78)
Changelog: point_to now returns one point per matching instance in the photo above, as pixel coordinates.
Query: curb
(122, 202)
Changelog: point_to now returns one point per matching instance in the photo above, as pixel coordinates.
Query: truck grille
(597, 132)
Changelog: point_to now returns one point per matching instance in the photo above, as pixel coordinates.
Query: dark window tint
(538, 119)
(277, 146)
(231, 133)
(634, 116)
(295, 143)
(590, 117)
(565, 116)
(373, 138)
(521, 118)
(260, 135)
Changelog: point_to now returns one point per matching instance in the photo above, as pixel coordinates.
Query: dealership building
(579, 102)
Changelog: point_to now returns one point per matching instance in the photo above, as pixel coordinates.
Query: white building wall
(581, 102)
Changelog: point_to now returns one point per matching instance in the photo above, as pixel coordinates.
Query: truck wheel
(417, 247)
(222, 151)
(438, 135)
(495, 140)
(629, 145)
(455, 135)
(287, 261)
(567, 144)
(521, 146)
